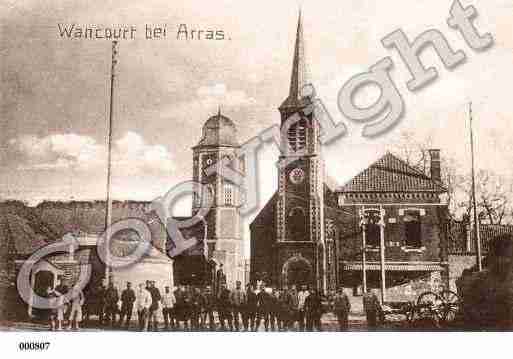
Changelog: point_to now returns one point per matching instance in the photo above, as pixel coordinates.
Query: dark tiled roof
(22, 231)
(391, 174)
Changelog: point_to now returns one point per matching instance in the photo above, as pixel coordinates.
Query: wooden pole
(474, 204)
(382, 251)
(364, 257)
(108, 211)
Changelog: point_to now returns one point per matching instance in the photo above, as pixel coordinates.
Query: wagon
(430, 309)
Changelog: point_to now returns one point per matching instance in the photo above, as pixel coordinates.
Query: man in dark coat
(341, 308)
(265, 301)
(127, 305)
(238, 300)
(208, 309)
(372, 308)
(220, 280)
(100, 303)
(251, 308)
(181, 307)
(313, 311)
(292, 307)
(155, 299)
(111, 304)
(197, 305)
(224, 308)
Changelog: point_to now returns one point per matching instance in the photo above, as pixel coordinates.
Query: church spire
(298, 77)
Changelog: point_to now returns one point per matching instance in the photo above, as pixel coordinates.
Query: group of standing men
(195, 308)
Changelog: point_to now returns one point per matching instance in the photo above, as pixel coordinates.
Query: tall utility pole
(363, 224)
(108, 211)
(382, 252)
(476, 221)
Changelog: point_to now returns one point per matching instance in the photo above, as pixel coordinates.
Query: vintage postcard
(292, 166)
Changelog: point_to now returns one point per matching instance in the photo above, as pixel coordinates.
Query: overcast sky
(55, 91)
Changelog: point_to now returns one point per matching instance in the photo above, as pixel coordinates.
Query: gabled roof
(391, 174)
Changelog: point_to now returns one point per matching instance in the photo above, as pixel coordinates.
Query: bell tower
(300, 202)
(218, 147)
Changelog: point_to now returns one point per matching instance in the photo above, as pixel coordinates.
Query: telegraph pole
(382, 251)
(476, 221)
(108, 211)
(363, 224)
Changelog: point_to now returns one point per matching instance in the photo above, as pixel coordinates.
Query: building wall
(262, 243)
(457, 263)
(433, 238)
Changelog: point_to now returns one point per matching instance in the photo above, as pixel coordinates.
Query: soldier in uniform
(208, 309)
(168, 308)
(281, 309)
(181, 307)
(250, 309)
(238, 300)
(77, 301)
(100, 302)
(127, 305)
(224, 308)
(292, 307)
(220, 280)
(111, 304)
(313, 311)
(372, 308)
(197, 305)
(341, 308)
(264, 300)
(302, 295)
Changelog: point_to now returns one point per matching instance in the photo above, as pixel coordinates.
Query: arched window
(297, 224)
(297, 135)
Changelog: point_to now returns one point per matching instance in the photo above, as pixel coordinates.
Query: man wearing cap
(155, 299)
(127, 305)
(341, 307)
(168, 304)
(142, 304)
(208, 309)
(372, 308)
(111, 304)
(250, 310)
(238, 300)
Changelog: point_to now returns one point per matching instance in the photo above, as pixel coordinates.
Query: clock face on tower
(297, 175)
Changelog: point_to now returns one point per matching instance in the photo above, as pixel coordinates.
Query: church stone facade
(289, 240)
(217, 149)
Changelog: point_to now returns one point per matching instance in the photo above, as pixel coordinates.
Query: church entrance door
(297, 271)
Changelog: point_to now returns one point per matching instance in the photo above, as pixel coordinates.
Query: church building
(386, 228)
(292, 241)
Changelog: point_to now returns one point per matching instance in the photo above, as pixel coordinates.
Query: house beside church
(394, 204)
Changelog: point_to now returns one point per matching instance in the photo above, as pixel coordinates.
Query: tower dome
(219, 130)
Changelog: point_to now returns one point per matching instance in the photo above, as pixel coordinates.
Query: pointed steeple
(298, 78)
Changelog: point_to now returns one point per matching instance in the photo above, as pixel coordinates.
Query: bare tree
(415, 152)
(493, 197)
(494, 193)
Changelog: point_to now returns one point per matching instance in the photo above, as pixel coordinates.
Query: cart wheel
(450, 305)
(426, 311)
(428, 298)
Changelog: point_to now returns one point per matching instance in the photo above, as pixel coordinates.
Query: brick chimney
(435, 170)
